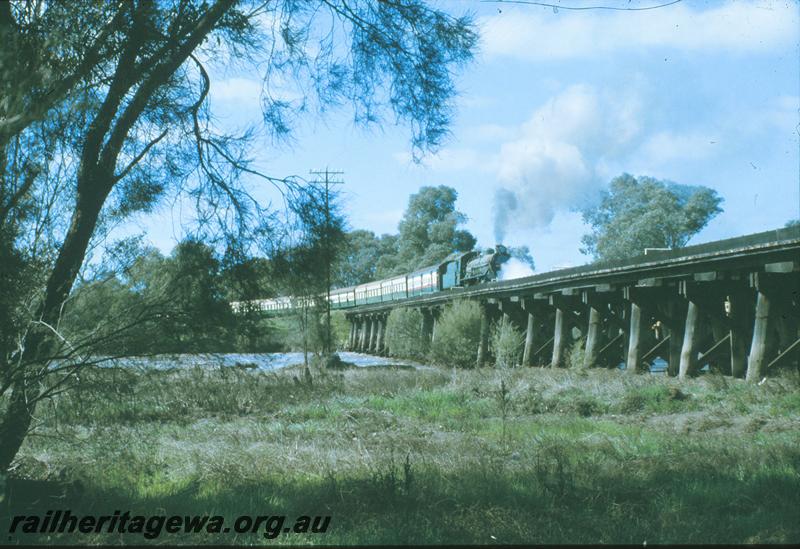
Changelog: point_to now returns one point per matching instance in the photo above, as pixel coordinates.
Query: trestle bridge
(732, 305)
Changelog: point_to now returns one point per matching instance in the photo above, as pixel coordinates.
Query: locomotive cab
(453, 269)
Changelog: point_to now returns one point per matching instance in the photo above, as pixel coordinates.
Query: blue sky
(557, 103)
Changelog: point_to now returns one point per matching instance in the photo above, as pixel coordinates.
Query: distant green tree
(200, 318)
(387, 262)
(245, 280)
(155, 304)
(118, 308)
(429, 230)
(792, 223)
(91, 307)
(638, 213)
(363, 257)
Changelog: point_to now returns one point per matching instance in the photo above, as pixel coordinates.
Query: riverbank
(401, 455)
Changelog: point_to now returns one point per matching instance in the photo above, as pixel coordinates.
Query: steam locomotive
(456, 270)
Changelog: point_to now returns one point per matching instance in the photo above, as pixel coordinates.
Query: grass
(427, 456)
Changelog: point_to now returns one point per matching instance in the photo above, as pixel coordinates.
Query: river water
(260, 361)
(275, 361)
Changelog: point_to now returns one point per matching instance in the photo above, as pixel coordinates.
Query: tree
(428, 233)
(638, 213)
(199, 318)
(429, 229)
(316, 235)
(359, 259)
(387, 255)
(104, 114)
(155, 304)
(245, 280)
(364, 257)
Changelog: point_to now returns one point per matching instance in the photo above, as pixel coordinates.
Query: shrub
(576, 353)
(507, 342)
(458, 334)
(404, 333)
(340, 330)
(302, 327)
(654, 399)
(314, 323)
(575, 399)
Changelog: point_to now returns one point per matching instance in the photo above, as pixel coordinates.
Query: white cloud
(553, 162)
(555, 246)
(539, 34)
(663, 151)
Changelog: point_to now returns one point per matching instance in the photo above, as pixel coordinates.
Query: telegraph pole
(328, 253)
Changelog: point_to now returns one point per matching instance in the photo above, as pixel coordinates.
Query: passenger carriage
(394, 288)
(423, 281)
